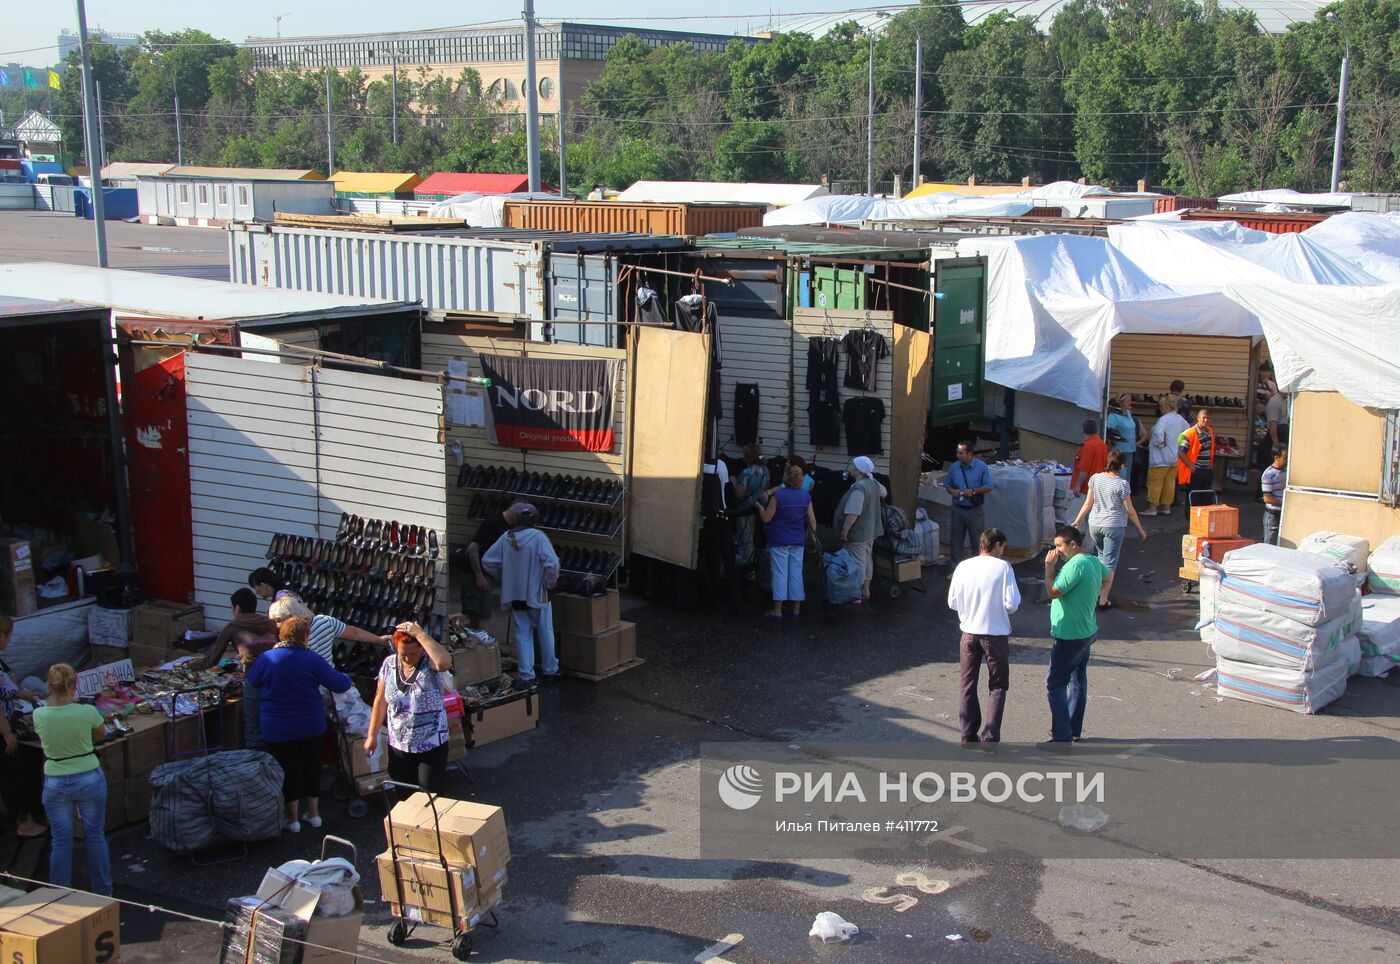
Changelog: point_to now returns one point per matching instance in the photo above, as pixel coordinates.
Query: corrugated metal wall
(275, 449)
(616, 217)
(1147, 364)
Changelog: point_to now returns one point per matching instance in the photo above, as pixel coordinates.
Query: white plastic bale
(1349, 550)
(1017, 503)
(1302, 691)
(1209, 599)
(1306, 588)
(1252, 636)
(1383, 567)
(1379, 634)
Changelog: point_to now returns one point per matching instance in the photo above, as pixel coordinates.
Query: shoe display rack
(373, 575)
(572, 509)
(1199, 401)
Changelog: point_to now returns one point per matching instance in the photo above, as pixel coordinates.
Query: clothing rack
(695, 275)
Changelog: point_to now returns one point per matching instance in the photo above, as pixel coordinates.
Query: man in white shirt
(1161, 462)
(984, 594)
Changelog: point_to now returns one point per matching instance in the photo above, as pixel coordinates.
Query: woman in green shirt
(73, 775)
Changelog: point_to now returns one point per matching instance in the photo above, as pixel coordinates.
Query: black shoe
(550, 679)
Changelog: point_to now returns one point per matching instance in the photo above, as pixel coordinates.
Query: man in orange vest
(1195, 456)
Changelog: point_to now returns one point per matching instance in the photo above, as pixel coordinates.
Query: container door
(959, 323)
(582, 289)
(837, 288)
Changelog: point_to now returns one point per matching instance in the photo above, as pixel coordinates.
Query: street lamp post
(91, 140)
(918, 102)
(870, 109)
(1342, 83)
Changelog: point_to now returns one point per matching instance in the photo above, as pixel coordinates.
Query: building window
(546, 88)
(184, 194)
(223, 194)
(204, 194)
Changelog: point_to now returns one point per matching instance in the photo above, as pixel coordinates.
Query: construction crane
(279, 18)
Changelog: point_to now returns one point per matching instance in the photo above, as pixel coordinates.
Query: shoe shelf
(609, 536)
(554, 498)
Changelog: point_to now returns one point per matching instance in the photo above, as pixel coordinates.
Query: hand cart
(345, 787)
(893, 585)
(1194, 498)
(402, 927)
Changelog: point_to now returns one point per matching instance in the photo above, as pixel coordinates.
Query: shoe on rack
(433, 547)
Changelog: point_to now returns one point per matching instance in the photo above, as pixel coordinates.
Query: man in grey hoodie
(527, 567)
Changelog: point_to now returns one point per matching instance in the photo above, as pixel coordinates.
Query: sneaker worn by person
(293, 827)
(314, 821)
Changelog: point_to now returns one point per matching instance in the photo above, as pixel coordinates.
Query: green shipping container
(958, 344)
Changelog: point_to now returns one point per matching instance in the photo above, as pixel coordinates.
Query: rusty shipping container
(1182, 202)
(613, 217)
(1292, 222)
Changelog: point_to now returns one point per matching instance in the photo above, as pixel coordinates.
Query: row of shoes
(381, 536)
(1218, 401)
(369, 590)
(366, 565)
(562, 517)
(568, 488)
(381, 620)
(597, 561)
(298, 553)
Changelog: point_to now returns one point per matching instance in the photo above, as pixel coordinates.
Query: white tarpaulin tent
(720, 192)
(852, 209)
(1055, 302)
(483, 210)
(1290, 198)
(1370, 240)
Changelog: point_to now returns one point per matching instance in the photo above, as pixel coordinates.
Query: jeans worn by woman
(89, 792)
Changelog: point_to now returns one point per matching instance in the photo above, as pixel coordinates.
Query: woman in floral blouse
(410, 697)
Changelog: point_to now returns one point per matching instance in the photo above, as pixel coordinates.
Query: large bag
(1383, 568)
(1350, 551)
(895, 521)
(1251, 636)
(1380, 634)
(1302, 691)
(235, 795)
(842, 577)
(1307, 588)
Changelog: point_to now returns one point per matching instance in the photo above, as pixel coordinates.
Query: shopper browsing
(1073, 628)
(268, 585)
(251, 634)
(984, 594)
(859, 518)
(1162, 461)
(1122, 432)
(527, 567)
(73, 777)
(968, 482)
(1272, 484)
(322, 630)
(20, 776)
(787, 518)
(409, 696)
(1109, 508)
(289, 678)
(1090, 459)
(476, 593)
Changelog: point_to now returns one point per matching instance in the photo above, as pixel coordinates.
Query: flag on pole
(30, 80)
(54, 80)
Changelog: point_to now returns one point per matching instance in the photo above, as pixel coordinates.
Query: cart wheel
(340, 790)
(358, 808)
(895, 590)
(398, 933)
(1186, 587)
(462, 947)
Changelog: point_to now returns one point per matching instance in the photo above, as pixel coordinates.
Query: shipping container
(614, 217)
(1292, 222)
(1181, 202)
(1376, 203)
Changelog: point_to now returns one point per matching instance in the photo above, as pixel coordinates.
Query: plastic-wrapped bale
(235, 795)
(1380, 634)
(929, 536)
(1022, 504)
(1383, 567)
(1350, 551)
(1244, 634)
(1209, 595)
(1302, 691)
(1306, 588)
(262, 933)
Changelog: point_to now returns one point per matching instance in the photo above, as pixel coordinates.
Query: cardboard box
(498, 719)
(103, 655)
(52, 926)
(457, 742)
(260, 933)
(110, 628)
(144, 748)
(17, 578)
(429, 891)
(137, 792)
(156, 625)
(112, 756)
(362, 766)
(1215, 521)
(1216, 548)
(338, 937)
(626, 642)
(226, 729)
(587, 615)
(471, 834)
(475, 664)
(590, 653)
(1190, 570)
(906, 571)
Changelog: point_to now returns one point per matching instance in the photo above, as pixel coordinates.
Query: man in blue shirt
(968, 482)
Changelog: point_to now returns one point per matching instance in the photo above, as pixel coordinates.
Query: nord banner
(548, 403)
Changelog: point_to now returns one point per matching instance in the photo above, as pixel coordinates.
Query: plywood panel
(1308, 512)
(811, 323)
(758, 351)
(909, 406)
(1209, 365)
(670, 369)
(1334, 443)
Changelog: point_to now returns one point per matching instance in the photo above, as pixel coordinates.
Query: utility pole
(330, 133)
(1341, 117)
(179, 138)
(870, 119)
(918, 102)
(394, 94)
(532, 103)
(101, 140)
(91, 140)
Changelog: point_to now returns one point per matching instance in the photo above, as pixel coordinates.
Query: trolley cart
(1194, 498)
(345, 787)
(895, 586)
(400, 930)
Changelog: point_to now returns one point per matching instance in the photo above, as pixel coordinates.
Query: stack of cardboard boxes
(156, 628)
(593, 640)
(52, 926)
(447, 861)
(17, 578)
(1215, 530)
(280, 923)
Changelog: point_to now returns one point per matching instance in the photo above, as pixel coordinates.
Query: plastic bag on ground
(832, 928)
(842, 577)
(334, 877)
(1383, 567)
(1306, 588)
(1302, 691)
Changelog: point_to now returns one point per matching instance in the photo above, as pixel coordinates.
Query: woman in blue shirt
(787, 515)
(289, 678)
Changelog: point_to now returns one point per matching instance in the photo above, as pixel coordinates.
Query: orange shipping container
(613, 217)
(1215, 521)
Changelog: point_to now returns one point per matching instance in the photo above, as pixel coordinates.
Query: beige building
(568, 56)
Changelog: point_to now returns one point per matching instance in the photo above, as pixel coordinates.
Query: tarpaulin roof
(373, 182)
(721, 192)
(446, 182)
(1287, 197)
(1370, 240)
(247, 173)
(852, 209)
(484, 210)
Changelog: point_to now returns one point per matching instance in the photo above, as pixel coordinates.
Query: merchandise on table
(1383, 567)
(1303, 587)
(1379, 634)
(1349, 551)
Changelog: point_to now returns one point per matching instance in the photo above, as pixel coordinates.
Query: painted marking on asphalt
(950, 836)
(1145, 749)
(711, 954)
(915, 879)
(877, 895)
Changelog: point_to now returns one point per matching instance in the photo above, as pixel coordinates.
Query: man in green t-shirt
(1073, 628)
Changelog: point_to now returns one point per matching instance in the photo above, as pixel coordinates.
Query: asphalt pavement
(601, 802)
(62, 238)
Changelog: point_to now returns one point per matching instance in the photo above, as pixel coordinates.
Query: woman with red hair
(410, 689)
